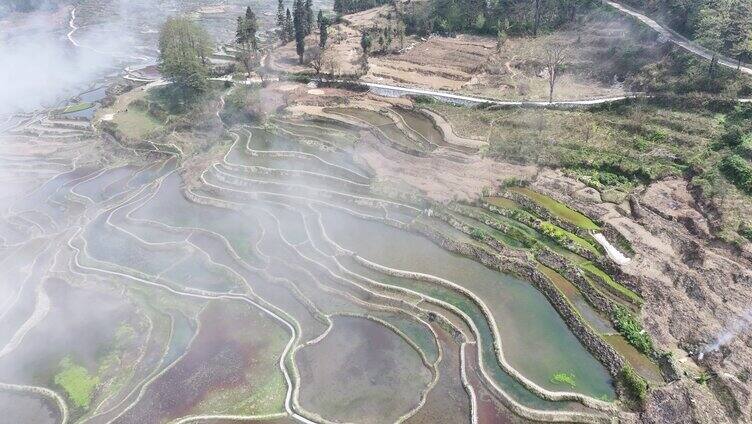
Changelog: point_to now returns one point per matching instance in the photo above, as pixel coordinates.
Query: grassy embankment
(617, 147)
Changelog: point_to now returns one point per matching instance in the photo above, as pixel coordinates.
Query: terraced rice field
(275, 285)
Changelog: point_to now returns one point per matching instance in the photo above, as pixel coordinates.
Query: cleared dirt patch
(463, 180)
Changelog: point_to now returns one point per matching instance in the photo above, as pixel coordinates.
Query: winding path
(394, 90)
(73, 28)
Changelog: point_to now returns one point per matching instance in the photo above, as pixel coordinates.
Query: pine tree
(245, 36)
(289, 31)
(323, 30)
(338, 6)
(240, 36)
(280, 14)
(299, 27)
(365, 42)
(308, 18)
(251, 27)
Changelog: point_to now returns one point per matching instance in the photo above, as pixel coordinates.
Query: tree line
(296, 25)
(516, 17)
(343, 7)
(723, 26)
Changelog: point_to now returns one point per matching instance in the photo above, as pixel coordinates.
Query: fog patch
(40, 66)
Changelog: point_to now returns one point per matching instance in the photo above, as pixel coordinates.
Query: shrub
(554, 232)
(514, 182)
(734, 136)
(703, 378)
(477, 234)
(745, 149)
(423, 100)
(657, 136)
(635, 385)
(746, 231)
(738, 171)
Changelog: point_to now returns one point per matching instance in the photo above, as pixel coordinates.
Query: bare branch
(555, 55)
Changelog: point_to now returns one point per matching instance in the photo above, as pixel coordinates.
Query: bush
(738, 171)
(734, 136)
(514, 182)
(745, 149)
(632, 330)
(423, 100)
(555, 233)
(746, 231)
(477, 234)
(635, 385)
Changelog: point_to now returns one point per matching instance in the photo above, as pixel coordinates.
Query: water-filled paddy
(534, 337)
(27, 408)
(229, 367)
(187, 253)
(361, 372)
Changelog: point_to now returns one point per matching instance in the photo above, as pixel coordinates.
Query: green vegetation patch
(558, 209)
(477, 234)
(619, 289)
(136, 122)
(78, 384)
(632, 330)
(77, 107)
(746, 231)
(566, 238)
(635, 385)
(738, 171)
(502, 202)
(601, 179)
(564, 378)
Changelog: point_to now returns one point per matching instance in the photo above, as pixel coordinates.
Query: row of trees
(288, 23)
(343, 7)
(488, 17)
(726, 26)
(386, 39)
(721, 25)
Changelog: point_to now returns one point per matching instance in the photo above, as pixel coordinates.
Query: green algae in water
(78, 384)
(564, 378)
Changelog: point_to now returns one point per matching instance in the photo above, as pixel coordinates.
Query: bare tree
(331, 65)
(250, 60)
(555, 55)
(314, 57)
